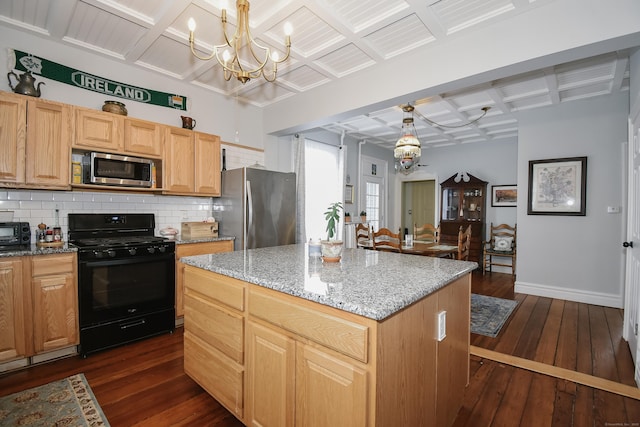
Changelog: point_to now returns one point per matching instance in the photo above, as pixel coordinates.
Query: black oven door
(114, 289)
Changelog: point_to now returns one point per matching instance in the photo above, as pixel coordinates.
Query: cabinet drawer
(189, 249)
(53, 264)
(220, 328)
(220, 376)
(221, 289)
(331, 331)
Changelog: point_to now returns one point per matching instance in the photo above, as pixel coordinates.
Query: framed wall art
(504, 195)
(558, 186)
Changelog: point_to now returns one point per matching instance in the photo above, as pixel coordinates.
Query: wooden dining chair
(363, 236)
(501, 244)
(464, 243)
(386, 240)
(427, 232)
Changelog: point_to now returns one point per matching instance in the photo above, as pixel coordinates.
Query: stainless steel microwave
(115, 169)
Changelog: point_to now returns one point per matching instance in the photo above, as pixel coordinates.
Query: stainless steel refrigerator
(258, 207)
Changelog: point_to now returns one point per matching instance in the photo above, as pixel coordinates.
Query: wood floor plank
(538, 409)
(512, 406)
(622, 353)
(584, 361)
(528, 343)
(548, 344)
(517, 326)
(601, 347)
(566, 350)
(583, 409)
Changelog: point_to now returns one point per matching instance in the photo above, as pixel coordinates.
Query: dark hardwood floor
(143, 384)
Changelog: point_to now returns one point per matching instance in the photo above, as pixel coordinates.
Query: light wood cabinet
(214, 336)
(307, 364)
(38, 305)
(15, 342)
(191, 163)
(98, 130)
(34, 135)
(55, 301)
(142, 137)
(190, 249)
(109, 132)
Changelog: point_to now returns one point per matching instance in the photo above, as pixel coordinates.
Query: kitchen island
(282, 339)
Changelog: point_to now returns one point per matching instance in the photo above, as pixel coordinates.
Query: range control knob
(162, 249)
(98, 254)
(151, 249)
(132, 251)
(111, 253)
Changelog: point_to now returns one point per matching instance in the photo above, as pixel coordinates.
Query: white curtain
(323, 184)
(301, 235)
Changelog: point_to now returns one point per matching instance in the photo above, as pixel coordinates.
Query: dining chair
(363, 236)
(427, 232)
(464, 243)
(386, 240)
(501, 244)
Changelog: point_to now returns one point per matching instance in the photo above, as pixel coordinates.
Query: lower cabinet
(190, 249)
(276, 360)
(38, 305)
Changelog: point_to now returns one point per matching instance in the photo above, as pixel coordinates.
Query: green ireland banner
(61, 73)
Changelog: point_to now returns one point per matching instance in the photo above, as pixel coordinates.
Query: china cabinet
(463, 202)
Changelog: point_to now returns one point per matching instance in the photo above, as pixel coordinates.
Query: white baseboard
(576, 295)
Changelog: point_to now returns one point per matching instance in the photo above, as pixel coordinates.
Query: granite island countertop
(369, 283)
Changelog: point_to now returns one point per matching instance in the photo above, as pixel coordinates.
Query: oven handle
(139, 322)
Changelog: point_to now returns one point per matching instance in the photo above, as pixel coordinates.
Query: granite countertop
(34, 250)
(369, 283)
(180, 241)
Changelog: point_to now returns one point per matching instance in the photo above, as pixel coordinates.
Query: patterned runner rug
(68, 402)
(488, 314)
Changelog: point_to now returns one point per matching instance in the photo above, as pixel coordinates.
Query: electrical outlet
(442, 325)
(613, 209)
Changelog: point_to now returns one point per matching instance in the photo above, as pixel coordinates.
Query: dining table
(421, 247)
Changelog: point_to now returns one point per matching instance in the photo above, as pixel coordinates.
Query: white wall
(577, 258)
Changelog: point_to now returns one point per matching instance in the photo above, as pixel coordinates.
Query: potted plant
(363, 216)
(347, 217)
(332, 248)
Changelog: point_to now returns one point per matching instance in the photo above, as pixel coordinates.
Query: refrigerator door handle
(249, 221)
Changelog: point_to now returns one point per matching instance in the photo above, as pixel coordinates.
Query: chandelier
(407, 152)
(237, 52)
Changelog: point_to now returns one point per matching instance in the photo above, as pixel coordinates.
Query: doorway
(372, 194)
(418, 203)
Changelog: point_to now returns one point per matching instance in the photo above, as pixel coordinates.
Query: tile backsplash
(39, 206)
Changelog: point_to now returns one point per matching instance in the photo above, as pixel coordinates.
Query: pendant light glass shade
(407, 151)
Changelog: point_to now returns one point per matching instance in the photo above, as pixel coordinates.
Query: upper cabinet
(97, 130)
(102, 131)
(191, 163)
(34, 135)
(463, 203)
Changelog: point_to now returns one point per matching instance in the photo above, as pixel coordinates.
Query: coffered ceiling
(332, 39)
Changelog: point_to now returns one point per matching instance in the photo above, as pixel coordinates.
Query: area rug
(68, 402)
(488, 314)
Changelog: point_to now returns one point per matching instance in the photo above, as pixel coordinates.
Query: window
(323, 185)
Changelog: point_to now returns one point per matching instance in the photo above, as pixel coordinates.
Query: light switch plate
(442, 325)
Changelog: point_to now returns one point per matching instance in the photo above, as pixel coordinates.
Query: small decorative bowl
(115, 107)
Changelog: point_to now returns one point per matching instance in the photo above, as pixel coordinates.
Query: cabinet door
(142, 137)
(179, 161)
(13, 134)
(191, 249)
(207, 164)
(270, 382)
(48, 154)
(329, 391)
(97, 129)
(55, 305)
(13, 330)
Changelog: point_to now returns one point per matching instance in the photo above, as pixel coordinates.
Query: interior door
(632, 274)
